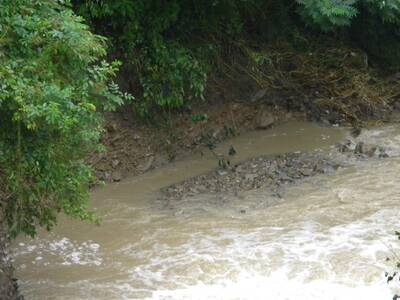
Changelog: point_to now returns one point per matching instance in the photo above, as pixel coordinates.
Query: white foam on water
(387, 136)
(343, 262)
(310, 265)
(276, 287)
(67, 251)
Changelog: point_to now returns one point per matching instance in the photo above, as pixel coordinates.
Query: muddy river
(327, 238)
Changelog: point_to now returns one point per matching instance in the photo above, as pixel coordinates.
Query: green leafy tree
(373, 24)
(54, 82)
(330, 14)
(166, 72)
(167, 46)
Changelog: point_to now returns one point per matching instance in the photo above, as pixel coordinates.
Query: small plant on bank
(209, 139)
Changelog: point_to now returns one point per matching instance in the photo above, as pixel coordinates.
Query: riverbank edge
(133, 147)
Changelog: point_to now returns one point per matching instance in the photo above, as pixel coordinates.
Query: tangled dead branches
(329, 80)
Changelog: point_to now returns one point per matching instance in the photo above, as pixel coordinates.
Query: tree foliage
(165, 71)
(373, 24)
(168, 45)
(329, 14)
(53, 82)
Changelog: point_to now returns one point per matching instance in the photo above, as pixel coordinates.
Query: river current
(327, 237)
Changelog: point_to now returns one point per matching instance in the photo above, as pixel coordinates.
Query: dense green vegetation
(53, 83)
(55, 80)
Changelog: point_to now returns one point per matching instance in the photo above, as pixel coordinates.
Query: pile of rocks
(261, 172)
(273, 171)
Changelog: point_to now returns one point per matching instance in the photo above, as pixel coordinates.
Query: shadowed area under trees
(169, 49)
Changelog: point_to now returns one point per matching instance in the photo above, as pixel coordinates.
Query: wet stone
(306, 171)
(362, 148)
(107, 176)
(116, 176)
(250, 177)
(115, 163)
(343, 147)
(265, 120)
(359, 148)
(370, 150)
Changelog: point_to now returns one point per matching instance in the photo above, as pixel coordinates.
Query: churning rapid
(326, 237)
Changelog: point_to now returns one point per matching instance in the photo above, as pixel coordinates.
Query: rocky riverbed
(273, 172)
(261, 172)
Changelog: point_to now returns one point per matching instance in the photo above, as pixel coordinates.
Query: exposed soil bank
(134, 147)
(329, 84)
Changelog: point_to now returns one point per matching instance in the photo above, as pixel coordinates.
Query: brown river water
(326, 238)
